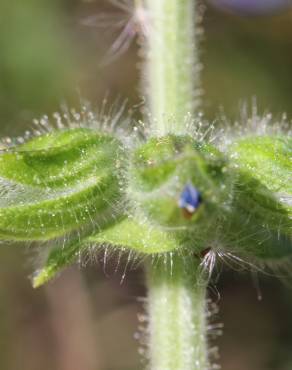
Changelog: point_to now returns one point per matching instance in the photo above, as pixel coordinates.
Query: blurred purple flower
(253, 7)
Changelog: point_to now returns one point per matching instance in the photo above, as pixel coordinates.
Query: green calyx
(161, 170)
(81, 190)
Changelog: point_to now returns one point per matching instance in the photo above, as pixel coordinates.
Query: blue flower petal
(190, 199)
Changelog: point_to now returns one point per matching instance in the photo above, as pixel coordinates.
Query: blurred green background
(86, 319)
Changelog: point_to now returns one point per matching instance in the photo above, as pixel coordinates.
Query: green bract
(80, 189)
(57, 183)
(262, 195)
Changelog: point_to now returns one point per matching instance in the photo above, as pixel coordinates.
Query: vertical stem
(176, 298)
(172, 74)
(177, 316)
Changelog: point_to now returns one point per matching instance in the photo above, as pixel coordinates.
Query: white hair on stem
(131, 22)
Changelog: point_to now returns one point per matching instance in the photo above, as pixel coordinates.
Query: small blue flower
(190, 200)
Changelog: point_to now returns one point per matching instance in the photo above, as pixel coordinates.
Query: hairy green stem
(177, 315)
(172, 70)
(176, 297)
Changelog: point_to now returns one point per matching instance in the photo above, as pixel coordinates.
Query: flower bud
(179, 184)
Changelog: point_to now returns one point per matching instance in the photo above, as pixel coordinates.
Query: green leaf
(140, 237)
(56, 183)
(262, 206)
(59, 257)
(267, 159)
(264, 185)
(127, 234)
